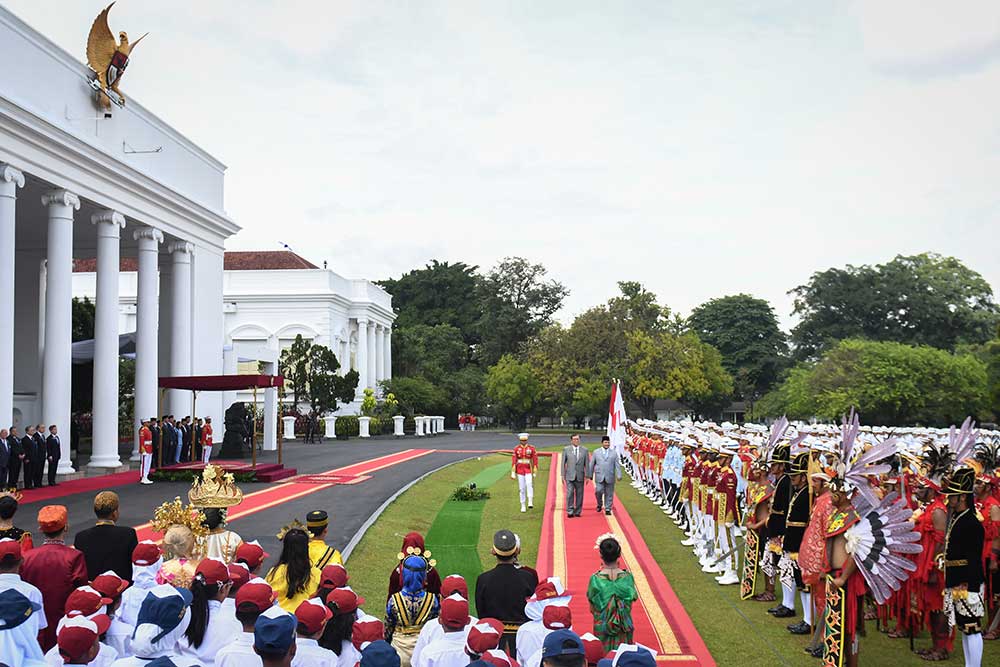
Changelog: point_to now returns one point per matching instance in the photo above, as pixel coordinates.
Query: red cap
(592, 647)
(212, 571)
(86, 600)
(257, 592)
(146, 553)
(77, 635)
(334, 575)
(239, 574)
(313, 615)
(550, 588)
(557, 617)
(498, 658)
(366, 629)
(454, 611)
(345, 599)
(483, 636)
(251, 553)
(454, 583)
(109, 584)
(10, 549)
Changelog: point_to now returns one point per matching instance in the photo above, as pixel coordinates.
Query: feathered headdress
(856, 464)
(880, 544)
(940, 458)
(294, 525)
(987, 459)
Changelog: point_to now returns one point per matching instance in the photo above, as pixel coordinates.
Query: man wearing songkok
(107, 546)
(254, 598)
(524, 467)
(18, 635)
(312, 616)
(963, 565)
(448, 648)
(502, 591)
(776, 515)
(54, 568)
(321, 555)
(530, 635)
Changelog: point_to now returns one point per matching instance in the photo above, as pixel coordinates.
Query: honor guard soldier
(145, 452)
(524, 465)
(206, 441)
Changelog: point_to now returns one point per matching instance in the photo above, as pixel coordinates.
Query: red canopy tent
(196, 383)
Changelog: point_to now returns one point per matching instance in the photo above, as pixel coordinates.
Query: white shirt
(140, 662)
(11, 580)
(448, 651)
(534, 660)
(220, 631)
(349, 656)
(431, 631)
(132, 599)
(105, 657)
(308, 653)
(119, 636)
(238, 653)
(529, 639)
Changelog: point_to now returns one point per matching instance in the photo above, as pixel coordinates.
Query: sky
(700, 148)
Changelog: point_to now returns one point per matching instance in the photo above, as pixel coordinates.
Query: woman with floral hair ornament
(183, 529)
(611, 593)
(408, 610)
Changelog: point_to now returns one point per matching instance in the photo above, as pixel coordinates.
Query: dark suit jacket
(107, 547)
(52, 447)
(187, 435)
(14, 443)
(4, 455)
(30, 449)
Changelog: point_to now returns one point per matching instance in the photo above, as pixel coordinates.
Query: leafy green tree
(294, 365)
(84, 312)
(708, 400)
(514, 389)
(433, 352)
(888, 383)
(516, 302)
(745, 331)
(922, 299)
(439, 293)
(416, 395)
(326, 388)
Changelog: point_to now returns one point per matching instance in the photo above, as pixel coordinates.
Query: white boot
(728, 578)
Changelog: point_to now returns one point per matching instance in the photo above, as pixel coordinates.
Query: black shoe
(608, 512)
(800, 628)
(774, 609)
(815, 651)
(784, 612)
(598, 509)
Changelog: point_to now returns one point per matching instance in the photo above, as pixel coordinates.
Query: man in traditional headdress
(524, 466)
(963, 566)
(321, 555)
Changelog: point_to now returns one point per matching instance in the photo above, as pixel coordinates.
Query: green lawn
(743, 633)
(464, 531)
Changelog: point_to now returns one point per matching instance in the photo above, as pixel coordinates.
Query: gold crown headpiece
(215, 488)
(415, 551)
(174, 513)
(294, 525)
(12, 492)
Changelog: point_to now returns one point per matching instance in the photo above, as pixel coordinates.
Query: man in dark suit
(4, 455)
(16, 458)
(154, 428)
(186, 439)
(107, 546)
(28, 461)
(53, 450)
(502, 591)
(40, 453)
(576, 463)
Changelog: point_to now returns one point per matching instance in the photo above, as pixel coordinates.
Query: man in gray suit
(576, 464)
(605, 472)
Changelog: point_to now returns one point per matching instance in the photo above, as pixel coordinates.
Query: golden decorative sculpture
(108, 58)
(215, 488)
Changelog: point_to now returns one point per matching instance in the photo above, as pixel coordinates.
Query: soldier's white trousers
(525, 487)
(206, 453)
(145, 463)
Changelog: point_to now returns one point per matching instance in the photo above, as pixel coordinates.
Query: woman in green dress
(611, 593)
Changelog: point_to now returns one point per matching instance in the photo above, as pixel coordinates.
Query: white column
(270, 443)
(362, 358)
(397, 425)
(380, 352)
(10, 180)
(372, 380)
(146, 340)
(363, 425)
(418, 426)
(105, 407)
(388, 353)
(289, 423)
(57, 363)
(180, 322)
(330, 426)
(345, 356)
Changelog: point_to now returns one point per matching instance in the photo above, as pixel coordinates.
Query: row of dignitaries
(843, 524)
(579, 465)
(30, 454)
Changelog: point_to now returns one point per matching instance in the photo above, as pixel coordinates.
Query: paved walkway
(568, 551)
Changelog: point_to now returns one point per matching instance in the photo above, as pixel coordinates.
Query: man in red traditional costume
(206, 441)
(988, 512)
(53, 568)
(812, 556)
(524, 466)
(727, 514)
(927, 584)
(845, 587)
(145, 452)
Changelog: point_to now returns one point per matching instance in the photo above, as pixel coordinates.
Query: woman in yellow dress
(294, 579)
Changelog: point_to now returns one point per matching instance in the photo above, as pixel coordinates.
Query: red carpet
(567, 550)
(85, 485)
(283, 492)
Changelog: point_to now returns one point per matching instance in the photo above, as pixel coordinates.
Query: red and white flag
(616, 419)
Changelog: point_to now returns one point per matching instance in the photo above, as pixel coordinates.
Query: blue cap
(379, 654)
(161, 662)
(274, 631)
(553, 644)
(636, 658)
(164, 607)
(481, 663)
(15, 609)
(604, 662)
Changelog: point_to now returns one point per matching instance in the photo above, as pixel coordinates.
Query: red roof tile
(236, 260)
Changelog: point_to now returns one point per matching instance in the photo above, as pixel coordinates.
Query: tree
(745, 331)
(513, 388)
(416, 395)
(439, 293)
(922, 299)
(294, 365)
(84, 312)
(516, 302)
(433, 352)
(889, 383)
(325, 386)
(708, 400)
